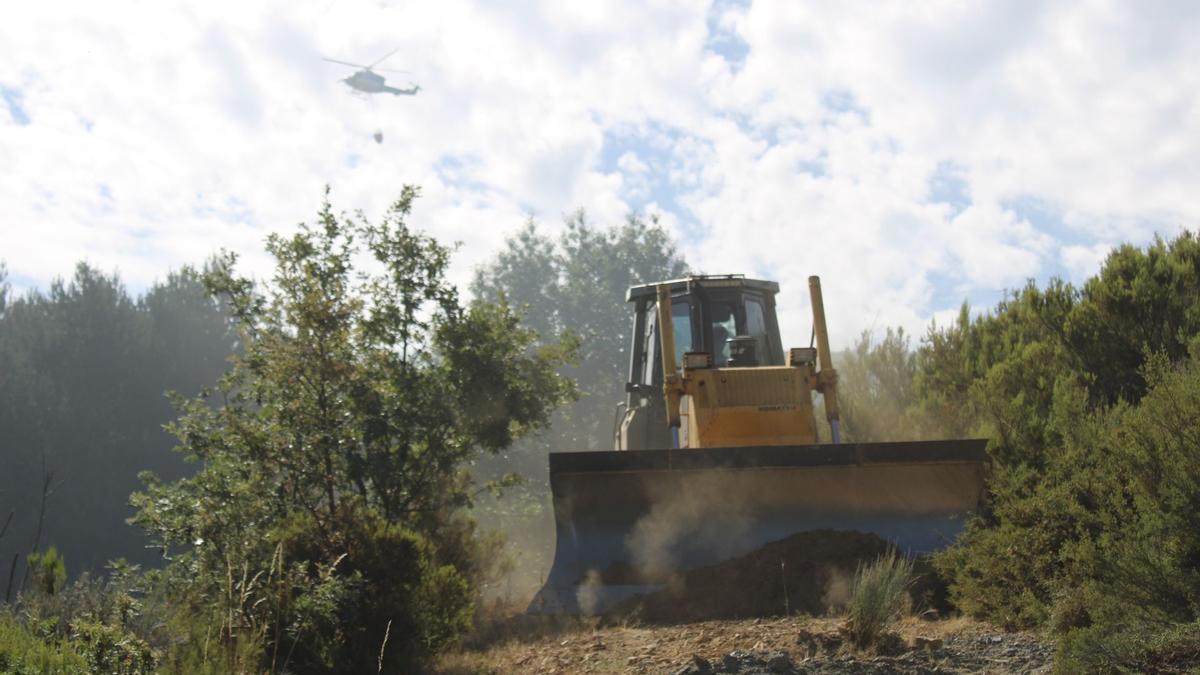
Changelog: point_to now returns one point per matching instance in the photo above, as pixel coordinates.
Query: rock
(779, 662)
(927, 643)
(889, 644)
(814, 643)
(740, 662)
(701, 664)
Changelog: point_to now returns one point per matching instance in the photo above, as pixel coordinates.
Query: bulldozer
(717, 452)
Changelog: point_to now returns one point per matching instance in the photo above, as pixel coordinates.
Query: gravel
(774, 646)
(1003, 653)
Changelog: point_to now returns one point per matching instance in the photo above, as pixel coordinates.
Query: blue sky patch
(948, 186)
(817, 168)
(12, 100)
(21, 284)
(721, 40)
(232, 210)
(457, 171)
(656, 156)
(1047, 217)
(841, 101)
(660, 149)
(106, 198)
(951, 290)
(768, 133)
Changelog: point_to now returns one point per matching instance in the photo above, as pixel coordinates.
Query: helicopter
(368, 81)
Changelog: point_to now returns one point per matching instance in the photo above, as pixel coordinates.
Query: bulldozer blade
(628, 522)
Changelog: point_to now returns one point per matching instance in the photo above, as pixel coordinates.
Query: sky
(914, 154)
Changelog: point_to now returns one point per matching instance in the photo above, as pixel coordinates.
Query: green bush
(1009, 572)
(1103, 543)
(23, 652)
(88, 626)
(328, 522)
(109, 649)
(877, 597)
(387, 597)
(1130, 648)
(49, 571)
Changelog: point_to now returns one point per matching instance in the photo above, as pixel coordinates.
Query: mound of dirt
(809, 572)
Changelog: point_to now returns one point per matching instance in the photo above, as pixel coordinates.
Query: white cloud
(793, 139)
(1084, 261)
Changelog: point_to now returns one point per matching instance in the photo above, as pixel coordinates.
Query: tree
(4, 288)
(1143, 301)
(1090, 398)
(333, 453)
(85, 365)
(875, 390)
(574, 286)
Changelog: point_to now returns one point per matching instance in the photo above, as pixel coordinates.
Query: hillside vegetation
(1091, 399)
(84, 367)
(351, 420)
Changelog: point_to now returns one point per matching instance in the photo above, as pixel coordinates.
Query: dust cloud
(808, 572)
(701, 513)
(588, 593)
(521, 564)
(838, 584)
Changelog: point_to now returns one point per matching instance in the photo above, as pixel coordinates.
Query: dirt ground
(811, 645)
(763, 612)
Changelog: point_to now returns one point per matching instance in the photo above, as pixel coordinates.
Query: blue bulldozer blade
(628, 522)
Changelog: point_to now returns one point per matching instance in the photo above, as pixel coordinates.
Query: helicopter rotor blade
(384, 58)
(388, 70)
(346, 63)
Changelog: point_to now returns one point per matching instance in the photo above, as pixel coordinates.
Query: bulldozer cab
(730, 317)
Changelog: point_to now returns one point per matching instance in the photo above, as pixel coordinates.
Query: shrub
(23, 652)
(877, 597)
(388, 599)
(49, 571)
(108, 649)
(1103, 542)
(1130, 648)
(335, 453)
(88, 626)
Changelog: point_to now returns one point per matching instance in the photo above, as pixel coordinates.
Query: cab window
(651, 371)
(756, 327)
(681, 322)
(723, 320)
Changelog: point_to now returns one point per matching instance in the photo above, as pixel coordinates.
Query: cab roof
(703, 281)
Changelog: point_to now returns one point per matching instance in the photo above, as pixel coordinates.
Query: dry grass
(502, 622)
(590, 648)
(877, 597)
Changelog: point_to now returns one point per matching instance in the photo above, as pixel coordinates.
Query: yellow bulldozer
(717, 453)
